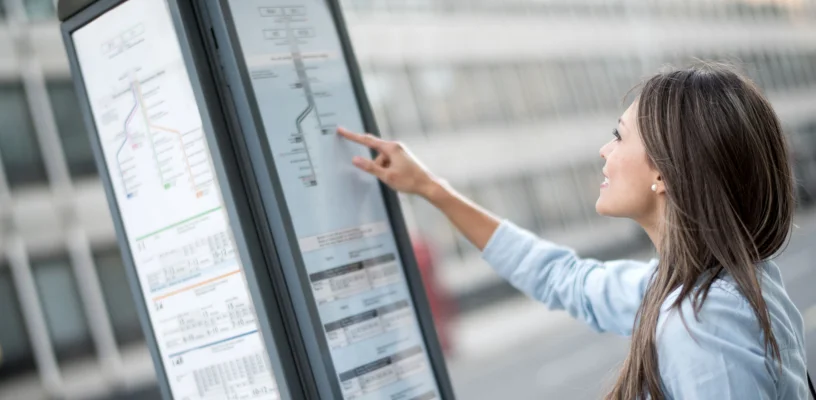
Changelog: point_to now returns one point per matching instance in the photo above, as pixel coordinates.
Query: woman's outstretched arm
(403, 172)
(604, 295)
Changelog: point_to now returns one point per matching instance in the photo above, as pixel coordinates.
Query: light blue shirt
(720, 356)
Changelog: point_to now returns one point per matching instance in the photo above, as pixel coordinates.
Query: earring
(654, 187)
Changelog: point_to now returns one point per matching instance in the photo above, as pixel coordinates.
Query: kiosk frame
(253, 198)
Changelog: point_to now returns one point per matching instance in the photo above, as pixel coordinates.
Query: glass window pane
(462, 108)
(40, 9)
(622, 77)
(765, 71)
(748, 61)
(807, 69)
(774, 71)
(15, 349)
(510, 198)
(511, 93)
(484, 104)
(463, 245)
(557, 86)
(374, 87)
(549, 208)
(795, 69)
(118, 296)
(398, 102)
(18, 144)
(434, 86)
(559, 193)
(62, 306)
(588, 178)
(434, 227)
(809, 62)
(73, 133)
(578, 84)
(600, 83)
(572, 211)
(536, 92)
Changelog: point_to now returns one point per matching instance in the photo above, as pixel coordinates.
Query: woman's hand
(401, 171)
(394, 165)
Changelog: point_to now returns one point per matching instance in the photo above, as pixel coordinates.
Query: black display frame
(228, 56)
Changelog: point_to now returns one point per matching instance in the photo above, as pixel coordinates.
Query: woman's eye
(616, 134)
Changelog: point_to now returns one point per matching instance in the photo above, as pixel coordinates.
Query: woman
(699, 160)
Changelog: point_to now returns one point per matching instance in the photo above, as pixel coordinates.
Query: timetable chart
(354, 278)
(232, 316)
(202, 255)
(234, 379)
(373, 376)
(233, 369)
(368, 324)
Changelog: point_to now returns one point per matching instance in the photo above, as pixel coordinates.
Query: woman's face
(626, 190)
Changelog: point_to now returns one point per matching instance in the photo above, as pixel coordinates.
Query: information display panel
(303, 88)
(150, 131)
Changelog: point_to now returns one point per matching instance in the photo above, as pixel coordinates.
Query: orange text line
(184, 289)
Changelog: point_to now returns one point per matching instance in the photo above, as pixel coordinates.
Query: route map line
(124, 142)
(138, 101)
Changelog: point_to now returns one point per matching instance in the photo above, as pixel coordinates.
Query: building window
(546, 195)
(474, 97)
(374, 91)
(588, 177)
(560, 200)
(40, 9)
(19, 148)
(62, 306)
(600, 84)
(15, 349)
(72, 130)
(433, 85)
(510, 197)
(535, 91)
(622, 73)
(557, 87)
(511, 92)
(397, 96)
(433, 227)
(118, 296)
(464, 247)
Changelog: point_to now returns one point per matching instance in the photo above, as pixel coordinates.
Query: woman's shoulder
(723, 312)
(723, 341)
(709, 339)
(726, 315)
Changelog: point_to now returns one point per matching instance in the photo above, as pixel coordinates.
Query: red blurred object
(442, 306)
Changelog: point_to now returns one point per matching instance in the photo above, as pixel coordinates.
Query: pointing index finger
(369, 141)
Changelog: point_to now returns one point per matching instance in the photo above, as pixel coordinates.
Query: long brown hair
(721, 154)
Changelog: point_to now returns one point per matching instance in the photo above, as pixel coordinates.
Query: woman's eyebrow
(620, 121)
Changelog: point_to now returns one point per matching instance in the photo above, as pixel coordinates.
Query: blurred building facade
(507, 99)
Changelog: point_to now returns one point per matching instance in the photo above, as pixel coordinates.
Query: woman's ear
(661, 187)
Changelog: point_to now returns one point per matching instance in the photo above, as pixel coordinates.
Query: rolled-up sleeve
(604, 295)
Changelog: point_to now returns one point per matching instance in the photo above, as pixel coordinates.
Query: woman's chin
(603, 209)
